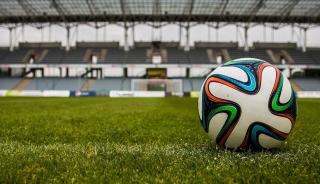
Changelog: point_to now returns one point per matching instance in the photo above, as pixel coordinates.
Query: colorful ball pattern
(247, 103)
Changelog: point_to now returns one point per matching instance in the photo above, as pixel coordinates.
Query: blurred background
(151, 48)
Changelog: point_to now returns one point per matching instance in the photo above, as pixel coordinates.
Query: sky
(167, 33)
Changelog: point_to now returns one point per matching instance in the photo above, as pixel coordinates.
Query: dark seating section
(260, 53)
(253, 53)
(142, 54)
(199, 56)
(54, 56)
(315, 55)
(119, 83)
(115, 56)
(237, 53)
(3, 53)
(74, 56)
(136, 55)
(301, 57)
(177, 56)
(14, 57)
(308, 84)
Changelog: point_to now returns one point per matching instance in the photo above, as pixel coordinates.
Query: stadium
(105, 91)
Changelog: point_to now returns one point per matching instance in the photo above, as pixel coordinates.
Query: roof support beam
(59, 9)
(246, 43)
(188, 8)
(11, 45)
(4, 11)
(286, 9)
(92, 7)
(255, 8)
(223, 7)
(314, 11)
(187, 45)
(132, 34)
(305, 19)
(304, 45)
(29, 9)
(221, 13)
(105, 32)
(126, 41)
(180, 33)
(124, 8)
(68, 38)
(156, 9)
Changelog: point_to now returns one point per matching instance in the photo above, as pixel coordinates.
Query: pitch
(91, 140)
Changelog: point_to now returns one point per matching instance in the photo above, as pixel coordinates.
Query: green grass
(94, 140)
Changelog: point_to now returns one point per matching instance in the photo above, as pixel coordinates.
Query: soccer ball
(247, 103)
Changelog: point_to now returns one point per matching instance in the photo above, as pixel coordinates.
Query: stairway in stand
(88, 84)
(20, 85)
(296, 87)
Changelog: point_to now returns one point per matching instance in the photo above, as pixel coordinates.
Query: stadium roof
(286, 11)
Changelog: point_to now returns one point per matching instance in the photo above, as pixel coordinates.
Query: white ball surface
(247, 103)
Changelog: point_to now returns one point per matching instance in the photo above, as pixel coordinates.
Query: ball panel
(232, 72)
(268, 80)
(200, 104)
(225, 92)
(228, 125)
(275, 103)
(215, 125)
(258, 129)
(249, 86)
(286, 91)
(269, 142)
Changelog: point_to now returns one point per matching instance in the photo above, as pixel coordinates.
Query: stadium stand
(314, 53)
(260, 53)
(42, 84)
(86, 86)
(75, 56)
(143, 52)
(171, 53)
(300, 57)
(8, 83)
(192, 84)
(136, 55)
(199, 56)
(101, 85)
(105, 85)
(238, 53)
(55, 84)
(3, 53)
(54, 56)
(308, 84)
(22, 84)
(69, 84)
(211, 52)
(85, 65)
(14, 57)
(115, 56)
(98, 50)
(177, 56)
(187, 85)
(197, 83)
